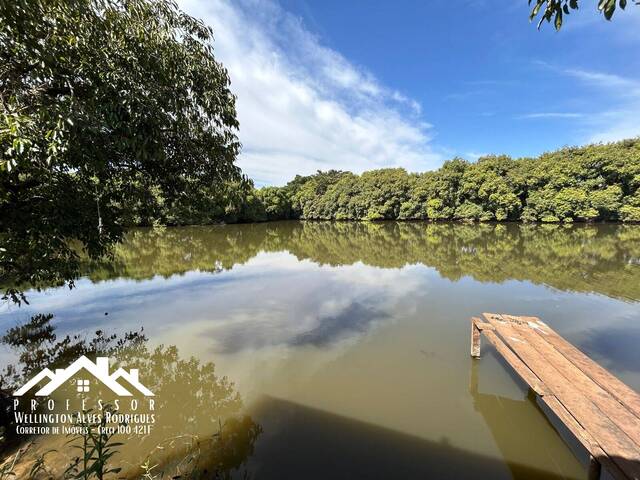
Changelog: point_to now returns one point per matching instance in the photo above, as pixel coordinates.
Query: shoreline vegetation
(579, 257)
(127, 118)
(575, 184)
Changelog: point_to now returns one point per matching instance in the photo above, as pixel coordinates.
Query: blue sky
(357, 84)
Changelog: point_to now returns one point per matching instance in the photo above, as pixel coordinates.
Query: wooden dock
(600, 412)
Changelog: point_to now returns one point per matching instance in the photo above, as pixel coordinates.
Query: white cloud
(624, 86)
(474, 156)
(621, 94)
(551, 115)
(304, 107)
(621, 120)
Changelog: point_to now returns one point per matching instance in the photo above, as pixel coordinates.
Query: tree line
(579, 257)
(116, 113)
(579, 184)
(103, 105)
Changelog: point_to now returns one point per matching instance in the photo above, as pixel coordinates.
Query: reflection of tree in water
(199, 432)
(502, 413)
(586, 258)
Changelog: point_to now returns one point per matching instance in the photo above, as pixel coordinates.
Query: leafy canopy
(556, 9)
(103, 104)
(595, 182)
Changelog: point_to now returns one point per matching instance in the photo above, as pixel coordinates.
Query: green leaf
(536, 9)
(558, 20)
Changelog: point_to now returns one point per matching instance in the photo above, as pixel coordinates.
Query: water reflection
(200, 430)
(615, 345)
(349, 342)
(344, 448)
(508, 418)
(586, 258)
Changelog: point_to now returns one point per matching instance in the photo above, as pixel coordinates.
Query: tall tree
(102, 102)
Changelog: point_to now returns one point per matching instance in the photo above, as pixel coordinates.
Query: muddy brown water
(347, 343)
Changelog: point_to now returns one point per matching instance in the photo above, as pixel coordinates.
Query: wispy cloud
(619, 120)
(550, 115)
(623, 86)
(304, 107)
(465, 95)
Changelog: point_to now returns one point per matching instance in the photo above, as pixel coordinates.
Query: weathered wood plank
(475, 339)
(515, 363)
(606, 380)
(614, 442)
(584, 437)
(483, 325)
(619, 415)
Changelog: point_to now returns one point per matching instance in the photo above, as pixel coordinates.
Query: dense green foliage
(104, 106)
(597, 182)
(115, 113)
(556, 9)
(602, 258)
(592, 183)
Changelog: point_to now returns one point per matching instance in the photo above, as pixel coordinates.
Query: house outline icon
(99, 369)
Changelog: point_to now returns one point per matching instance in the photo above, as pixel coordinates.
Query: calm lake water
(349, 342)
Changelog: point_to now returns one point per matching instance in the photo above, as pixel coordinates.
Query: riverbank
(579, 184)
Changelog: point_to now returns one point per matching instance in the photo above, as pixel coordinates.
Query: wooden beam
(516, 364)
(623, 393)
(616, 445)
(610, 407)
(584, 437)
(475, 339)
(594, 469)
(483, 325)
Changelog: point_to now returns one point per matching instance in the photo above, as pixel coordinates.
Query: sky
(362, 84)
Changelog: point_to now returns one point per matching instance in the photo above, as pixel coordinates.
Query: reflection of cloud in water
(356, 318)
(312, 306)
(615, 346)
(318, 330)
(87, 302)
(273, 299)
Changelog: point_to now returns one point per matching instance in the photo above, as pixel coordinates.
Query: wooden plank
(584, 437)
(594, 470)
(554, 405)
(516, 364)
(483, 325)
(617, 413)
(475, 339)
(611, 439)
(606, 380)
(537, 386)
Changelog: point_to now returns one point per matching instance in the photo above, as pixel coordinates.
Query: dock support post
(594, 468)
(475, 339)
